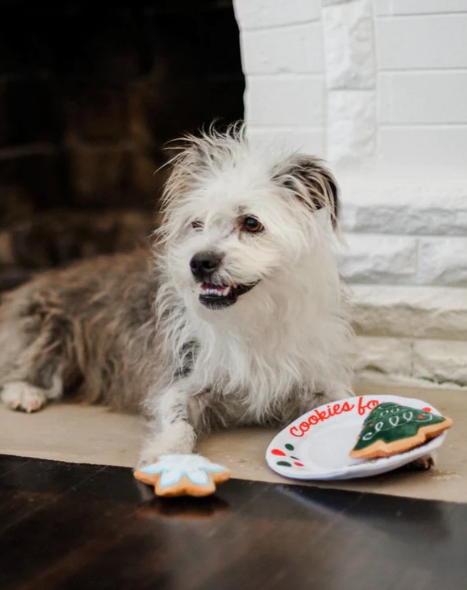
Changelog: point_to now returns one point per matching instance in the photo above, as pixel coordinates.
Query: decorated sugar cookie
(183, 475)
(391, 429)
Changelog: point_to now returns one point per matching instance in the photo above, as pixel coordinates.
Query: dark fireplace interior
(90, 93)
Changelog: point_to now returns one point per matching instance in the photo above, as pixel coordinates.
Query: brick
(15, 203)
(160, 110)
(98, 114)
(261, 14)
(405, 43)
(351, 126)
(418, 97)
(415, 7)
(385, 356)
(60, 236)
(291, 49)
(34, 111)
(432, 205)
(6, 250)
(410, 312)
(440, 361)
(285, 100)
(309, 140)
(435, 146)
(379, 259)
(348, 42)
(443, 261)
(147, 178)
(383, 7)
(34, 180)
(99, 175)
(145, 102)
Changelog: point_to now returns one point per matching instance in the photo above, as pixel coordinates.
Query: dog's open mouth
(220, 296)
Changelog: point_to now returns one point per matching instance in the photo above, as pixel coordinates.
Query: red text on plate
(318, 416)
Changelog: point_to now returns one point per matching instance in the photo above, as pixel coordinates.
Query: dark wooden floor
(79, 527)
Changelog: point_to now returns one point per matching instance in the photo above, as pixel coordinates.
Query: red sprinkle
(278, 452)
(427, 409)
(299, 464)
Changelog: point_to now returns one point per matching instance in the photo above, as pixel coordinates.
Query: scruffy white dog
(237, 317)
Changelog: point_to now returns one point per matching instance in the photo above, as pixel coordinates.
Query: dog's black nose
(204, 264)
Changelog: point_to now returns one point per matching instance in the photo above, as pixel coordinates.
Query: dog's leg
(21, 395)
(171, 431)
(34, 340)
(35, 378)
(335, 390)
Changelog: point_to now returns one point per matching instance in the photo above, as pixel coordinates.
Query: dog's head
(234, 216)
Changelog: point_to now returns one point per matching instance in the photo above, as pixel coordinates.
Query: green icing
(390, 422)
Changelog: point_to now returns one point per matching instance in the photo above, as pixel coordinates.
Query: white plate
(317, 445)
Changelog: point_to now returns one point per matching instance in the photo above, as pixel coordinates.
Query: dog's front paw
(179, 439)
(19, 395)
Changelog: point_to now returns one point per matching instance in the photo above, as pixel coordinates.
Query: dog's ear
(311, 182)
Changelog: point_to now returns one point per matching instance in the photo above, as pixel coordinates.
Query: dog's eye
(197, 224)
(252, 225)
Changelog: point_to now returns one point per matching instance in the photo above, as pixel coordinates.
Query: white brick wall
(282, 53)
(421, 42)
(303, 95)
(423, 97)
(380, 259)
(421, 52)
(416, 7)
(384, 78)
(288, 49)
(434, 313)
(443, 261)
(405, 205)
(403, 260)
(350, 80)
(263, 14)
(310, 140)
(424, 146)
(379, 81)
(429, 361)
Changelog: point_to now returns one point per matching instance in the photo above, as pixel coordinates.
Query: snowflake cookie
(183, 475)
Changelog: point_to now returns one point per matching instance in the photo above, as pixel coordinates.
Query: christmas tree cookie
(391, 429)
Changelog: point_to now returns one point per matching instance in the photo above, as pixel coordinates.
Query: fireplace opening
(89, 97)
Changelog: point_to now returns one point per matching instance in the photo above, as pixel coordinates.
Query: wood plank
(105, 530)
